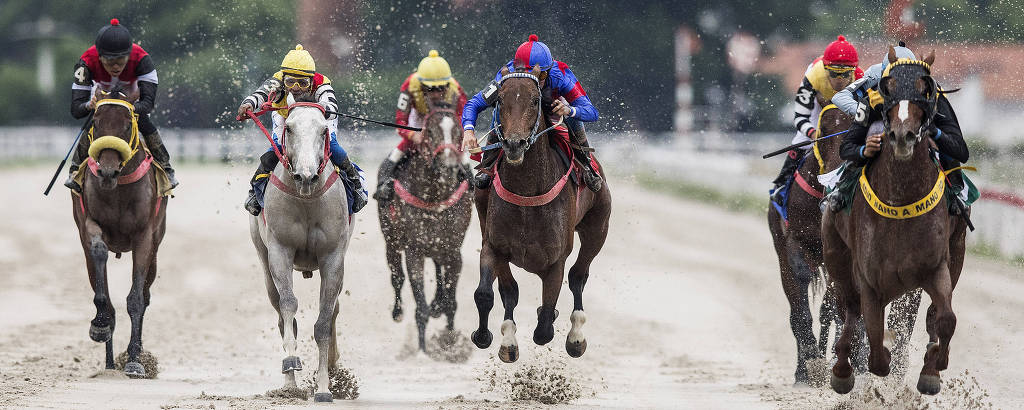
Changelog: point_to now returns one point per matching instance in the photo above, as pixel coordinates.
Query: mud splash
(960, 392)
(449, 346)
(344, 384)
(147, 360)
(545, 378)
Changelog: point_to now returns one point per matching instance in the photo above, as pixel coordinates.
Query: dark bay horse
(798, 242)
(527, 218)
(118, 211)
(428, 219)
(305, 226)
(899, 234)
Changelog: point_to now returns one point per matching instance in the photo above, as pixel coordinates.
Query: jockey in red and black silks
(432, 83)
(561, 95)
(115, 62)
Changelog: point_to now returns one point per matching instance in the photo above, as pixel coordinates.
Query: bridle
(536, 124)
(279, 152)
(449, 145)
(902, 70)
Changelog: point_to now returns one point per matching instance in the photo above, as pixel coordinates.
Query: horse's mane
(118, 92)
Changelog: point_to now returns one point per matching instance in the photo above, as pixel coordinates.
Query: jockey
(848, 98)
(833, 71)
(115, 61)
(561, 95)
(297, 76)
(432, 82)
(859, 147)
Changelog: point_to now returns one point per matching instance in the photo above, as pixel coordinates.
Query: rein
(413, 200)
(281, 156)
(533, 133)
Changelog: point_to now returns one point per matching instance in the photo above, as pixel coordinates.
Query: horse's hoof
(929, 384)
(307, 274)
(543, 335)
(100, 334)
(396, 313)
(323, 397)
(291, 363)
(842, 385)
(435, 310)
(134, 370)
(482, 339)
(576, 349)
(508, 354)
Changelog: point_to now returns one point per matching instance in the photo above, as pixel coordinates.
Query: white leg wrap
(396, 155)
(577, 318)
(508, 333)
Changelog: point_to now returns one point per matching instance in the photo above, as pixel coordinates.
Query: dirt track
(684, 303)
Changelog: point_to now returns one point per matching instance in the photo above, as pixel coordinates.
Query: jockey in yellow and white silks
(297, 76)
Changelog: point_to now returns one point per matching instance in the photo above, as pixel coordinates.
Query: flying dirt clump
(344, 384)
(449, 346)
(961, 392)
(545, 378)
(145, 358)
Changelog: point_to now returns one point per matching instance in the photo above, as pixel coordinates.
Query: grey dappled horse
(306, 228)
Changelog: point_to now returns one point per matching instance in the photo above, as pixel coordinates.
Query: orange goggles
(297, 82)
(840, 71)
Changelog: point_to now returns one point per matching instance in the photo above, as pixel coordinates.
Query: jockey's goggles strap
(839, 68)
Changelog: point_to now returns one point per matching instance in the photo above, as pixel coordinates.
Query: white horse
(305, 226)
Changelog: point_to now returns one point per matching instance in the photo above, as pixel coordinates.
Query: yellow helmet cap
(298, 62)
(433, 70)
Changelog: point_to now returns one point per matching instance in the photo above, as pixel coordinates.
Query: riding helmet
(114, 40)
(532, 53)
(434, 70)
(840, 52)
(298, 62)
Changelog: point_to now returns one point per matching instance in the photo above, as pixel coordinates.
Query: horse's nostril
(296, 177)
(315, 178)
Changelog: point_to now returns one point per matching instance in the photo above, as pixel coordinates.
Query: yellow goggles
(837, 71)
(297, 82)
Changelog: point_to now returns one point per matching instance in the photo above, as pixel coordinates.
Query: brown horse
(528, 217)
(798, 242)
(902, 238)
(428, 219)
(118, 211)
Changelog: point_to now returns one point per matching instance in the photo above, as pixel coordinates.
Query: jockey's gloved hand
(242, 109)
(932, 131)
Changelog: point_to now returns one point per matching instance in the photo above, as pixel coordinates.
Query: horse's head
(306, 142)
(440, 134)
(519, 108)
(115, 133)
(910, 96)
(831, 121)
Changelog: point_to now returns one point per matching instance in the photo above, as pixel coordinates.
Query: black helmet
(114, 40)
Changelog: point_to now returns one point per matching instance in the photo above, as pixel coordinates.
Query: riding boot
(836, 200)
(788, 168)
(76, 161)
(590, 176)
(386, 176)
(160, 155)
(483, 176)
(259, 181)
(349, 171)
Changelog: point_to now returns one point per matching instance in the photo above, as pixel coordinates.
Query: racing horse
(305, 226)
(428, 219)
(899, 234)
(797, 241)
(119, 210)
(528, 219)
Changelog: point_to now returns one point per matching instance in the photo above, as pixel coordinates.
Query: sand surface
(684, 304)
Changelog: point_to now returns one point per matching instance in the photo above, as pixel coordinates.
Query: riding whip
(74, 145)
(389, 124)
(799, 144)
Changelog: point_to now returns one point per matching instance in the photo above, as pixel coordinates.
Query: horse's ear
(931, 58)
(504, 71)
(883, 86)
(892, 55)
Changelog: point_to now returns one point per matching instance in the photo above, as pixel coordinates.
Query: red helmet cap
(840, 52)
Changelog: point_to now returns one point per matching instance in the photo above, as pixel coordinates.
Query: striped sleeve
(327, 99)
(804, 106)
(262, 94)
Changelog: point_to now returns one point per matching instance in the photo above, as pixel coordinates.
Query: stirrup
(385, 191)
(593, 181)
(834, 201)
(482, 180)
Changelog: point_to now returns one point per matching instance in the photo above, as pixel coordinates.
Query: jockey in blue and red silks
(561, 95)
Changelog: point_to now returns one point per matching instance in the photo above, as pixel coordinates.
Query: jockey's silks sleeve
(403, 108)
(852, 147)
(564, 81)
(804, 105)
(950, 140)
(473, 108)
(263, 93)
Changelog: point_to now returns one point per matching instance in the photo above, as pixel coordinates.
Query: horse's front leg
(943, 323)
(332, 272)
(281, 260)
(484, 297)
(101, 328)
(437, 305)
(394, 258)
(873, 313)
(142, 261)
(509, 290)
(452, 265)
(414, 266)
(546, 313)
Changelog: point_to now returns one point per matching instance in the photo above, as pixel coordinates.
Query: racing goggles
(437, 88)
(293, 83)
(122, 60)
(840, 71)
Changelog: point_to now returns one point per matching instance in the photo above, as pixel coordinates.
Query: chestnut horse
(119, 210)
(904, 238)
(798, 242)
(527, 218)
(428, 219)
